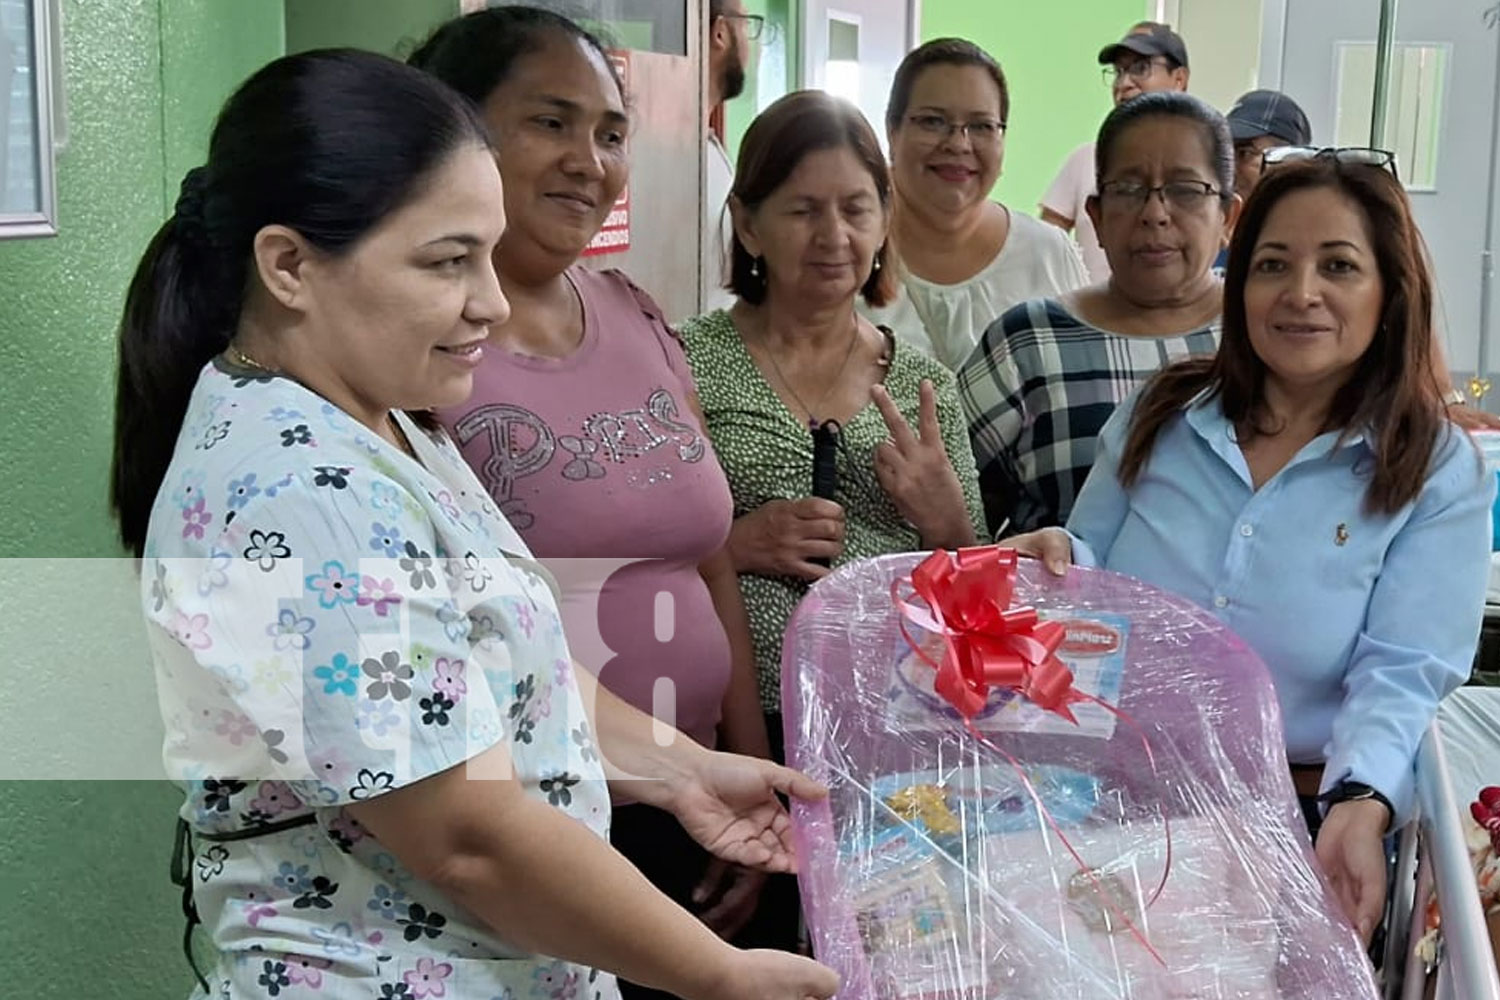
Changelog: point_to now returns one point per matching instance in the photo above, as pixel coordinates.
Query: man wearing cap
(1150, 57)
(1262, 120)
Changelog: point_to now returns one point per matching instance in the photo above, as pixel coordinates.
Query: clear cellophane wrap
(1153, 848)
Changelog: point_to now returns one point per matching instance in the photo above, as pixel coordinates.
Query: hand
(1053, 546)
(780, 537)
(728, 804)
(1472, 418)
(775, 975)
(916, 474)
(1352, 852)
(738, 892)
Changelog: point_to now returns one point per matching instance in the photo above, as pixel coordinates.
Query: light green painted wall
(62, 295)
(1049, 52)
(88, 911)
(208, 48)
(393, 27)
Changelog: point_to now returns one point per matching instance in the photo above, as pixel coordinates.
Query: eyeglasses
(1248, 152)
(980, 131)
(755, 24)
(1137, 71)
(1359, 156)
(1180, 196)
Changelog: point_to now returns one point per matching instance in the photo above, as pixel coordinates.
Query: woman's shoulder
(250, 441)
(1026, 322)
(910, 366)
(1457, 462)
(706, 329)
(617, 286)
(1034, 235)
(627, 309)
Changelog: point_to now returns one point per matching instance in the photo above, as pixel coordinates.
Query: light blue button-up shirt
(1365, 620)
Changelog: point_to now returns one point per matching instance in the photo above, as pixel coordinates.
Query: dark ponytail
(327, 143)
(177, 317)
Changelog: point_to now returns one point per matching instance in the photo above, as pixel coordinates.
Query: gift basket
(1047, 789)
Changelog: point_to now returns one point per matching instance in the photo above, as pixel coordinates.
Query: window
(26, 197)
(644, 25)
(841, 75)
(1414, 105)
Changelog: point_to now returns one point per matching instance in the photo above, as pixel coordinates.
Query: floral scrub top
(332, 620)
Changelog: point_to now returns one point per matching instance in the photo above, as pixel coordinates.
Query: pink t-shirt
(597, 456)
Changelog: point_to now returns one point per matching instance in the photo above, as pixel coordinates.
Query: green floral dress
(766, 452)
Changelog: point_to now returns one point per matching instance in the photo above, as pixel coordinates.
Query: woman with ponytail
(346, 630)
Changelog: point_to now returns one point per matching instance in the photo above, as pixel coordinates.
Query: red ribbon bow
(1486, 812)
(986, 642)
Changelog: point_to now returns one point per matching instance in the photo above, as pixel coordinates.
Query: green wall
(394, 27)
(88, 911)
(1057, 97)
(1049, 52)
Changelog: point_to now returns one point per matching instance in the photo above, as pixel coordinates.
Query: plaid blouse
(1037, 390)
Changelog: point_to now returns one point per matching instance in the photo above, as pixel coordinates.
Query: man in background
(1150, 57)
(1262, 120)
(730, 31)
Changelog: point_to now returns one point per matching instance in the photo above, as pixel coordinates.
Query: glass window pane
(841, 73)
(1414, 105)
(643, 25)
(20, 168)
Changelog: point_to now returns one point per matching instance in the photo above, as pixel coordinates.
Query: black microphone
(825, 477)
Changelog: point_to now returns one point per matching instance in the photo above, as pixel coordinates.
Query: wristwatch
(1356, 791)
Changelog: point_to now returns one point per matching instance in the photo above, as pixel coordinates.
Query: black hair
(1170, 104)
(477, 52)
(941, 52)
(327, 143)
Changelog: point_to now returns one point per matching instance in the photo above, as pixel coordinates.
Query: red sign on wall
(614, 235)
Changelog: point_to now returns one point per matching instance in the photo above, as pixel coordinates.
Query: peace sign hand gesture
(914, 471)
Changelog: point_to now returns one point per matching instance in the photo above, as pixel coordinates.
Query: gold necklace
(812, 420)
(403, 443)
(247, 361)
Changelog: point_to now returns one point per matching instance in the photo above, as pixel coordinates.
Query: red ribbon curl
(986, 642)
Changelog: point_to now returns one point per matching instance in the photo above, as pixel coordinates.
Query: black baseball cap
(1149, 38)
(1269, 112)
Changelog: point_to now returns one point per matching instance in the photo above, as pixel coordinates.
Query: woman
(811, 205)
(583, 422)
(339, 615)
(793, 363)
(967, 259)
(1305, 487)
(1049, 372)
